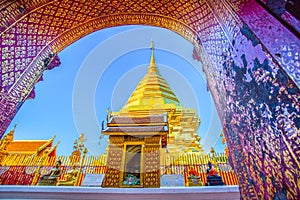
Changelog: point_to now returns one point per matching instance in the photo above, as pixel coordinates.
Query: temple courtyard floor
(64, 192)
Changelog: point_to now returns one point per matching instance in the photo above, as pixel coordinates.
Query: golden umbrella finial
(152, 60)
(152, 45)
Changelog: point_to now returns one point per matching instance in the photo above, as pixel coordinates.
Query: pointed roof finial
(152, 61)
(152, 45)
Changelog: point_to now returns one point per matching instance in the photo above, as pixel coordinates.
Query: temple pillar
(114, 162)
(152, 162)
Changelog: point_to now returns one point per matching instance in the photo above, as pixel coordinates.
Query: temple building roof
(137, 121)
(133, 125)
(146, 130)
(28, 146)
(10, 146)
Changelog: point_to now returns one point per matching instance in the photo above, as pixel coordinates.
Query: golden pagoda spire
(152, 91)
(154, 96)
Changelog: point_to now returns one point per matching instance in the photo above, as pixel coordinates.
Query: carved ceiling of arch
(40, 23)
(81, 30)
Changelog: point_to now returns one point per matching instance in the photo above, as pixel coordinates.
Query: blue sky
(101, 70)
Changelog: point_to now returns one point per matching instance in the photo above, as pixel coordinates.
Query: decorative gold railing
(20, 169)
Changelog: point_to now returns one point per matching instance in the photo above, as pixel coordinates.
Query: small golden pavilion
(150, 125)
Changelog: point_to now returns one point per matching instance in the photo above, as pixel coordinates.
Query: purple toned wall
(258, 69)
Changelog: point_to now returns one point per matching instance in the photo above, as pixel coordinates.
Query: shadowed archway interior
(249, 56)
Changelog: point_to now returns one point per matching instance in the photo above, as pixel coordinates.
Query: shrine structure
(151, 124)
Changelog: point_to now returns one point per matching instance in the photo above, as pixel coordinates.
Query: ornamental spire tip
(152, 61)
(152, 45)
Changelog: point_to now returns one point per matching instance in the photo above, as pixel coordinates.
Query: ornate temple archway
(252, 69)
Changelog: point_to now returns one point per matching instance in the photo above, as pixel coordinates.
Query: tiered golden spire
(152, 91)
(154, 96)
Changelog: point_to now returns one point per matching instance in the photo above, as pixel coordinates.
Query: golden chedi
(154, 96)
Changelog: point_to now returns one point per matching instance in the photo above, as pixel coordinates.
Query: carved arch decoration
(251, 60)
